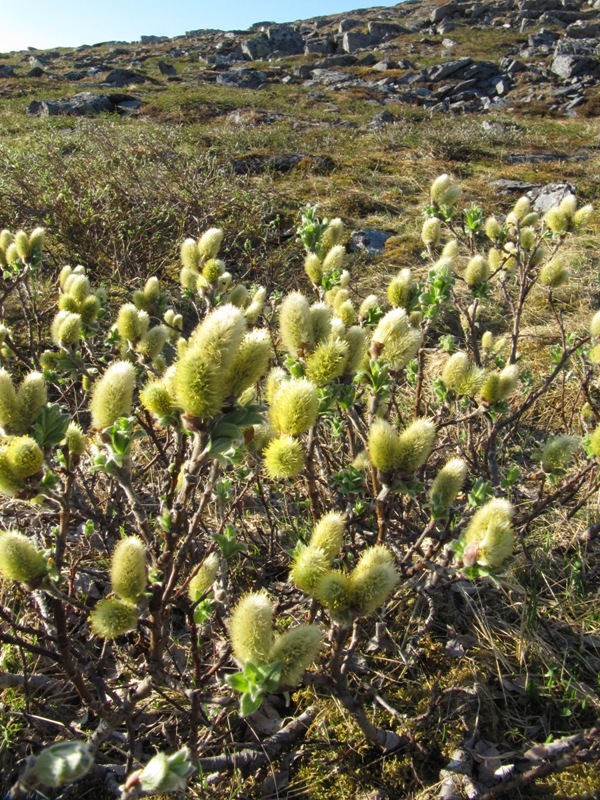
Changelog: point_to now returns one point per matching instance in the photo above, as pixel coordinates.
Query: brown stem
(388, 740)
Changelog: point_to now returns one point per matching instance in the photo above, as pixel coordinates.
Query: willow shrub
(153, 451)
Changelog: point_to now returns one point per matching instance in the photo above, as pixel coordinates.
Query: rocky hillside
(463, 56)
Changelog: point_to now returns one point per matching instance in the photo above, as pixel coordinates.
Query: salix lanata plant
(171, 452)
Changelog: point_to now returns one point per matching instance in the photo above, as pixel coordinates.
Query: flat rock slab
(369, 241)
(550, 195)
(124, 77)
(282, 163)
(83, 104)
(242, 78)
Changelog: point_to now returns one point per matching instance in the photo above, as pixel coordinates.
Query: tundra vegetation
(281, 520)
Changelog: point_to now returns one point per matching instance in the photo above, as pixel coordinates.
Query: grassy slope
(119, 194)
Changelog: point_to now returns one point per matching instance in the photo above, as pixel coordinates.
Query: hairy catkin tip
(283, 457)
(328, 534)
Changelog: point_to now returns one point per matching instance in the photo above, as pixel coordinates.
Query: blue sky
(69, 23)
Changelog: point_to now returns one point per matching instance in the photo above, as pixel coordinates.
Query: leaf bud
(60, 764)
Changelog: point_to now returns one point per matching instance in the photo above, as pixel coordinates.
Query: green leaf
(237, 681)
(249, 705)
(50, 426)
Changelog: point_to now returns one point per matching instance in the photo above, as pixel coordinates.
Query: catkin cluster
(345, 594)
(116, 615)
(253, 639)
(205, 275)
(17, 249)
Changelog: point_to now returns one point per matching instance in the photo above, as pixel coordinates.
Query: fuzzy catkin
(20, 560)
(204, 578)
(250, 628)
(111, 618)
(295, 649)
(489, 537)
(128, 569)
(448, 483)
(198, 386)
(283, 457)
(309, 565)
(327, 362)
(294, 407)
(250, 363)
(295, 323)
(373, 579)
(328, 534)
(415, 444)
(112, 394)
(384, 447)
(219, 336)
